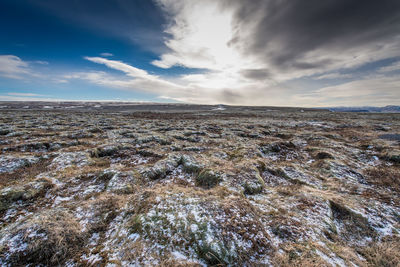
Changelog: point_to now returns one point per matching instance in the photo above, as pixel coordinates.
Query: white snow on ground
(10, 163)
(68, 159)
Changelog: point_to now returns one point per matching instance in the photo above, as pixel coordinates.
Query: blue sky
(261, 52)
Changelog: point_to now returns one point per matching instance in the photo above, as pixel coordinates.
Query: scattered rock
(190, 165)
(208, 178)
(10, 163)
(105, 151)
(4, 131)
(253, 187)
(69, 159)
(162, 167)
(277, 147)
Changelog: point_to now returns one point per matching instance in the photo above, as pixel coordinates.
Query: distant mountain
(386, 109)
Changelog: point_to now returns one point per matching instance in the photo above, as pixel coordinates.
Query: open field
(111, 184)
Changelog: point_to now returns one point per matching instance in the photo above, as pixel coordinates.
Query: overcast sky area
(309, 53)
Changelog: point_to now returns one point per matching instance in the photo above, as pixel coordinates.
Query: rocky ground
(198, 185)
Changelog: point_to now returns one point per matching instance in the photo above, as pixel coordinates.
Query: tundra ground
(181, 185)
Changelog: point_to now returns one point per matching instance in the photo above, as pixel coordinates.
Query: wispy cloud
(334, 75)
(373, 91)
(28, 98)
(206, 88)
(106, 54)
(187, 88)
(118, 65)
(13, 67)
(25, 94)
(393, 67)
(41, 62)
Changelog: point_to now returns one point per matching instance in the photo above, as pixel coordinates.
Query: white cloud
(13, 67)
(393, 67)
(200, 35)
(118, 65)
(334, 75)
(137, 79)
(24, 94)
(188, 88)
(106, 54)
(28, 98)
(208, 35)
(196, 88)
(372, 91)
(204, 34)
(41, 62)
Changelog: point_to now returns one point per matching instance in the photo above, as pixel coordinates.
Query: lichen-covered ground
(216, 186)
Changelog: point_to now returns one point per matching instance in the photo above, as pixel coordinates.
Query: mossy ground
(236, 187)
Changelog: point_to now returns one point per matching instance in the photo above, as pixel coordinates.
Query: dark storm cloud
(140, 21)
(284, 31)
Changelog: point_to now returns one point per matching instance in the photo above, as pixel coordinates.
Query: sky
(261, 52)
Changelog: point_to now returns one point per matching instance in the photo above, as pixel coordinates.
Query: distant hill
(386, 109)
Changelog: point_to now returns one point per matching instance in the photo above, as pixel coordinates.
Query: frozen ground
(181, 185)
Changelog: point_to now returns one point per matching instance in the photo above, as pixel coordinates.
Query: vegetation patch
(384, 177)
(202, 227)
(50, 237)
(323, 155)
(351, 226)
(383, 253)
(208, 178)
(236, 186)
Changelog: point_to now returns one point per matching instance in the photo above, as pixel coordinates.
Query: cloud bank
(251, 49)
(259, 52)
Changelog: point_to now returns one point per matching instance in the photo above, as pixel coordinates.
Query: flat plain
(119, 184)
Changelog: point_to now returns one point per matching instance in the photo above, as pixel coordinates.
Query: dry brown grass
(52, 237)
(23, 174)
(385, 253)
(301, 254)
(237, 207)
(83, 145)
(285, 212)
(355, 226)
(305, 203)
(220, 201)
(104, 209)
(384, 176)
(96, 166)
(289, 190)
(297, 255)
(384, 197)
(178, 263)
(286, 260)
